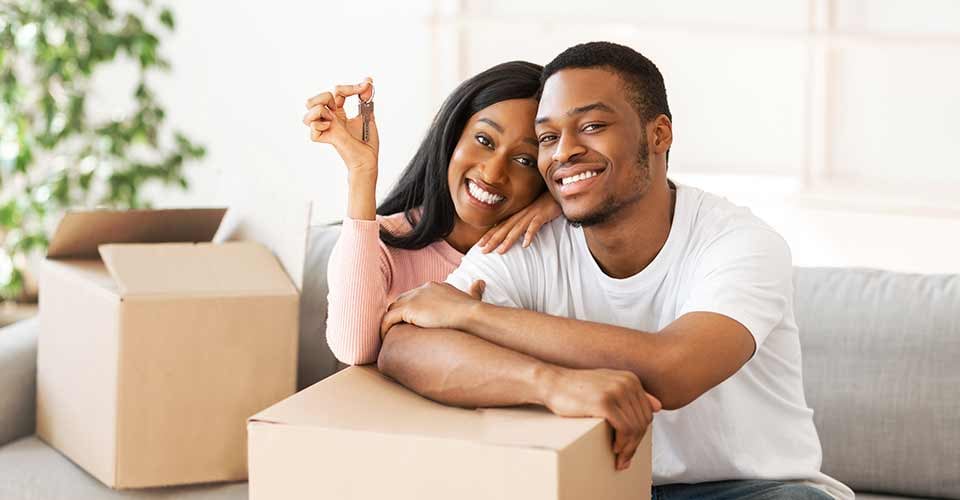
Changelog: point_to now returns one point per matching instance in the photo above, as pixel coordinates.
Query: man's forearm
(677, 365)
(456, 368)
(574, 343)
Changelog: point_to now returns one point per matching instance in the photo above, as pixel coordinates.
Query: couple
(646, 297)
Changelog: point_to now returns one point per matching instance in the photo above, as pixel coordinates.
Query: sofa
(881, 360)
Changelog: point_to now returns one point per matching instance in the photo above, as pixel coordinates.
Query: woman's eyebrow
(530, 140)
(492, 123)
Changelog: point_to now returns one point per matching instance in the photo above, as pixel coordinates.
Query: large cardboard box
(359, 435)
(156, 345)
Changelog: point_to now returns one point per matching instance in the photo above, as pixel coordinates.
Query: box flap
(361, 399)
(80, 232)
(280, 225)
(200, 268)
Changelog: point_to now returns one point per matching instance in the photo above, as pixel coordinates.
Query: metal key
(366, 112)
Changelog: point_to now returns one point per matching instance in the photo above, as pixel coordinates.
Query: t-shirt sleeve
(745, 274)
(495, 270)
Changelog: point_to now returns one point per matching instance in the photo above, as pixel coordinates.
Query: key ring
(373, 91)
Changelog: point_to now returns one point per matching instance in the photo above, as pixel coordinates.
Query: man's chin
(592, 216)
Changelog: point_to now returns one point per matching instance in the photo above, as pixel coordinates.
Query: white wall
(834, 120)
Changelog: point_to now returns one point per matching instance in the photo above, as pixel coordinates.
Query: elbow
(662, 376)
(674, 400)
(352, 354)
(387, 359)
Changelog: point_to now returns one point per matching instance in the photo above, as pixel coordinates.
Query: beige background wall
(836, 120)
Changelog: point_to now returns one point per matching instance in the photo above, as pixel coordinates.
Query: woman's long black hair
(423, 182)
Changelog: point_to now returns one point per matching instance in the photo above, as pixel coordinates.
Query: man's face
(593, 148)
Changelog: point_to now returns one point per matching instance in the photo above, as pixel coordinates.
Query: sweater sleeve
(359, 278)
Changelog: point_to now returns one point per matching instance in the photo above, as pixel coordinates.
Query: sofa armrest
(18, 379)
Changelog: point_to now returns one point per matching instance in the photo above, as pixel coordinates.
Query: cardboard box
(156, 345)
(359, 435)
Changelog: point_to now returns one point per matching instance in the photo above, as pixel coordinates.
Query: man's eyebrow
(599, 106)
(492, 123)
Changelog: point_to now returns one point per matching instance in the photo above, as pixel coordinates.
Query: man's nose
(568, 149)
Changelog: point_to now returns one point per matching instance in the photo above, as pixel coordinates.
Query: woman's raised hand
(329, 124)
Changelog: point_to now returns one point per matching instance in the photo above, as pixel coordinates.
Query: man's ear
(662, 134)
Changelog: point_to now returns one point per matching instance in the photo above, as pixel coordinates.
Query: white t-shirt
(717, 258)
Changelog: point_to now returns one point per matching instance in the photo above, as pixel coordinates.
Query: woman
(473, 180)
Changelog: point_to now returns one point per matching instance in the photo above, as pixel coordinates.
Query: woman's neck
(464, 236)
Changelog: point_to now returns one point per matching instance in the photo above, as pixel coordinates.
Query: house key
(366, 112)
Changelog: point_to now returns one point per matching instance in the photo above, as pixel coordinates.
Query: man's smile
(577, 178)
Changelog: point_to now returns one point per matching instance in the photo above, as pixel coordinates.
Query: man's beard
(611, 205)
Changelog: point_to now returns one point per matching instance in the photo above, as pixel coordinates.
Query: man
(647, 291)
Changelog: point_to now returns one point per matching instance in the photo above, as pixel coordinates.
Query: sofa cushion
(881, 371)
(871, 496)
(316, 361)
(31, 469)
(18, 379)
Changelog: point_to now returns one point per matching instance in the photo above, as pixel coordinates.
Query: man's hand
(432, 305)
(614, 395)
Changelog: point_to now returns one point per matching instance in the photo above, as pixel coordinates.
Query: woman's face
(493, 171)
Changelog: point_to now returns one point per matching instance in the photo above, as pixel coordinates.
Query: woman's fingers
(512, 236)
(323, 99)
(532, 228)
(335, 99)
(363, 89)
(318, 112)
(495, 236)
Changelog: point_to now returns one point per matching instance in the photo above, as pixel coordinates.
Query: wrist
(545, 378)
(471, 320)
(363, 173)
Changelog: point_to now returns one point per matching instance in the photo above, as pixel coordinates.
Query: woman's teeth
(482, 195)
(579, 177)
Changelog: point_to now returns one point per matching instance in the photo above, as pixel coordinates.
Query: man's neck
(628, 242)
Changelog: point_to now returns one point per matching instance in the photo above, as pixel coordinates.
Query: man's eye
(592, 127)
(484, 140)
(547, 138)
(526, 162)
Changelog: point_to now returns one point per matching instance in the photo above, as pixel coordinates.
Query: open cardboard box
(157, 344)
(359, 435)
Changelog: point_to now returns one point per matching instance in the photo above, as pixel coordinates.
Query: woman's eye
(484, 140)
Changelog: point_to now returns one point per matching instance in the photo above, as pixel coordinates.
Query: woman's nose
(494, 171)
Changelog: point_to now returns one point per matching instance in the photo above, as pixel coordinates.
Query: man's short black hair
(641, 76)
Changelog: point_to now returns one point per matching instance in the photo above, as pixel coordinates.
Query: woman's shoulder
(395, 223)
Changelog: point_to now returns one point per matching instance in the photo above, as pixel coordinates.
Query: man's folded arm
(460, 369)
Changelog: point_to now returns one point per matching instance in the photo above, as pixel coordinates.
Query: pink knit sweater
(365, 276)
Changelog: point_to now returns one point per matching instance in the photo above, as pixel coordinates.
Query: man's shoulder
(714, 217)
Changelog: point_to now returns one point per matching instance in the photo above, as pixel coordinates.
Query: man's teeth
(482, 195)
(579, 177)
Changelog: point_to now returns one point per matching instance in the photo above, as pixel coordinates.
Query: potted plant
(54, 153)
